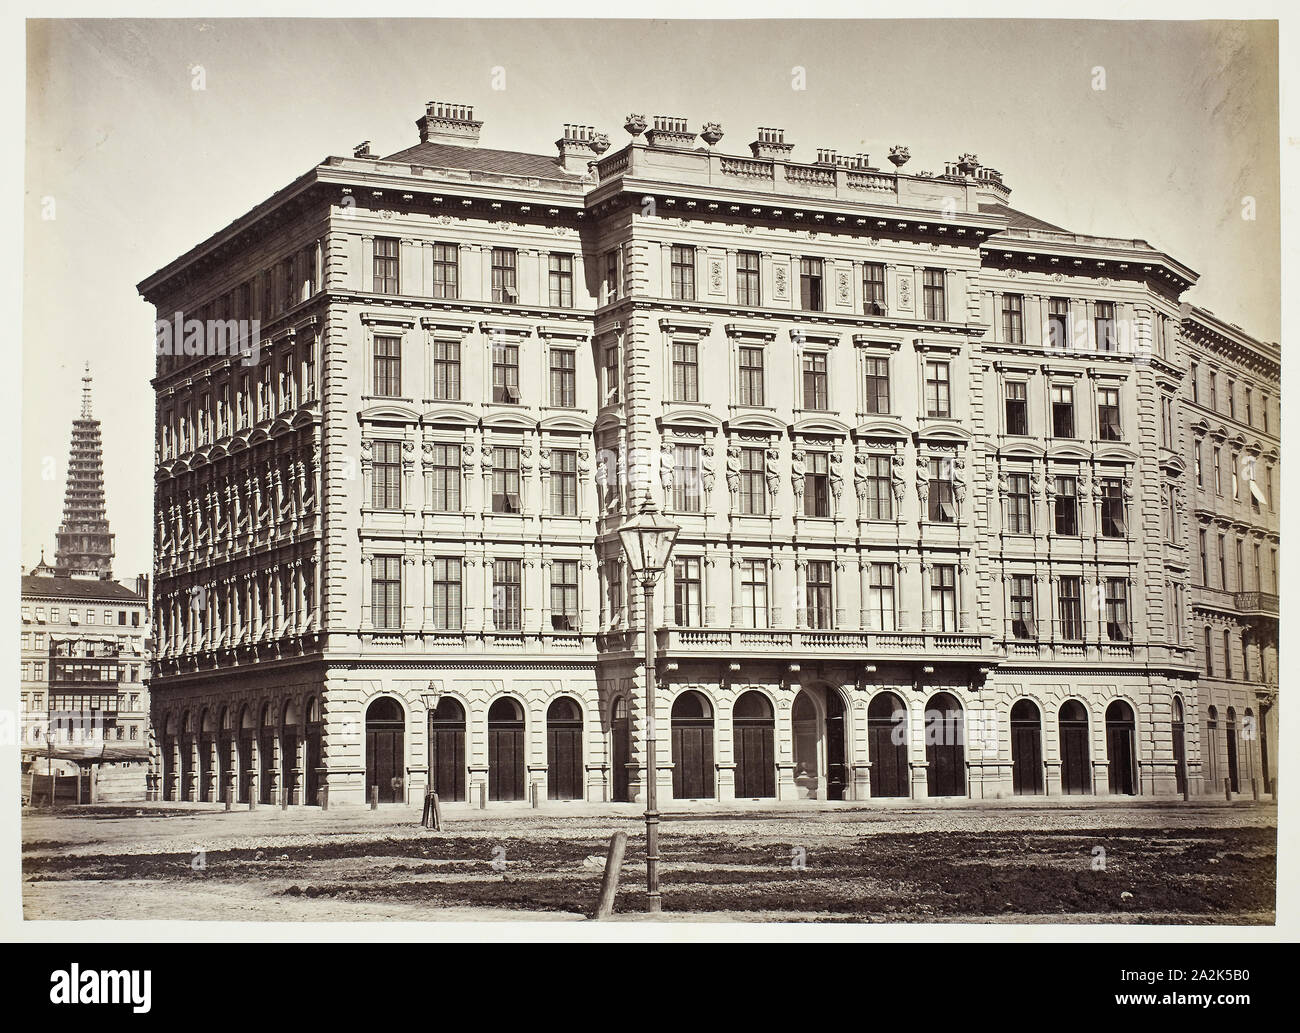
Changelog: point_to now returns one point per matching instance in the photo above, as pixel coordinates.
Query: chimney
(444, 122)
(771, 144)
(578, 146)
(827, 156)
(362, 150)
(142, 586)
(670, 131)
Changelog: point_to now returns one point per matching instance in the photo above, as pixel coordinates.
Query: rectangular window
(1117, 626)
(387, 265)
(610, 374)
(560, 280)
(447, 581)
(505, 480)
(1018, 511)
(937, 399)
(1259, 580)
(816, 387)
(386, 592)
(1013, 319)
(936, 305)
(753, 489)
(1227, 654)
(564, 482)
(943, 597)
(810, 284)
(564, 378)
(1192, 377)
(1263, 411)
(446, 271)
(1250, 408)
(613, 575)
(446, 371)
(1058, 323)
(817, 485)
(445, 476)
(877, 384)
(1196, 460)
(1214, 390)
(564, 595)
(748, 291)
(505, 271)
(882, 615)
(686, 478)
(1209, 653)
(686, 371)
(873, 288)
(1023, 625)
(1017, 407)
(1236, 483)
(942, 507)
(505, 373)
(1069, 599)
(817, 594)
(1241, 567)
(1062, 411)
(1066, 506)
(388, 367)
(751, 376)
(1108, 414)
(386, 475)
(1218, 472)
(611, 276)
(1113, 524)
(688, 595)
(753, 593)
(1104, 321)
(1223, 562)
(879, 500)
(1232, 398)
(507, 595)
(682, 267)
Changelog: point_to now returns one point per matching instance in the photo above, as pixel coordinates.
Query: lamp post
(648, 541)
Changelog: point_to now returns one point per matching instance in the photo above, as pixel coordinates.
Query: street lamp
(648, 540)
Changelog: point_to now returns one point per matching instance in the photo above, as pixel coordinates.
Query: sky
(128, 165)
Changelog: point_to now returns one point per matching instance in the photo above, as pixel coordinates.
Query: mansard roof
(484, 159)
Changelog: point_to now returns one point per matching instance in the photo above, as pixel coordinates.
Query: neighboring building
(1231, 421)
(913, 438)
(85, 663)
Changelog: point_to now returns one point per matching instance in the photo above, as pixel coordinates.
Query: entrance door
(564, 750)
(887, 745)
(837, 774)
(945, 746)
(620, 752)
(1120, 750)
(1076, 777)
(385, 750)
(266, 756)
(1234, 778)
(506, 757)
(692, 748)
(1180, 746)
(247, 746)
(806, 764)
(755, 730)
(447, 750)
(1026, 749)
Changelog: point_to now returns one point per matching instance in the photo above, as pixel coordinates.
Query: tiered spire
(84, 542)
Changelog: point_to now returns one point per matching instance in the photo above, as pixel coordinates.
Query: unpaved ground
(1198, 863)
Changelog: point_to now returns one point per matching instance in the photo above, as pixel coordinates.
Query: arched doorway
(620, 751)
(207, 751)
(1212, 748)
(447, 749)
(312, 758)
(1121, 752)
(806, 742)
(385, 749)
(692, 748)
(1180, 745)
(945, 746)
(817, 777)
(754, 729)
(1234, 774)
(189, 747)
(564, 750)
(506, 757)
(225, 747)
(290, 736)
(1076, 765)
(887, 745)
(1026, 749)
(247, 752)
(266, 754)
(171, 746)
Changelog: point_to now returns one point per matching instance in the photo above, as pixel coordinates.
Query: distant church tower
(84, 544)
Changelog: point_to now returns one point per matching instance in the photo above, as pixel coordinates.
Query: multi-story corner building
(1230, 416)
(919, 444)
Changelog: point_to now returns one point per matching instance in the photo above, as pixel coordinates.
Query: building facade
(927, 455)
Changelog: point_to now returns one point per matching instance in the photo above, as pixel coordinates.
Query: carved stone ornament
(899, 155)
(635, 125)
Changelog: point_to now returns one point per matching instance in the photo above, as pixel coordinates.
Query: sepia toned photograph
(625, 471)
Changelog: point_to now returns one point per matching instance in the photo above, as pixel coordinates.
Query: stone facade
(912, 438)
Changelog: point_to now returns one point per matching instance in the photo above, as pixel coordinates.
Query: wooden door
(447, 760)
(620, 734)
(384, 763)
(1026, 750)
(755, 761)
(563, 760)
(887, 747)
(1119, 750)
(311, 778)
(837, 775)
(1234, 779)
(289, 760)
(245, 765)
(1076, 778)
(506, 763)
(692, 750)
(266, 751)
(1180, 756)
(945, 749)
